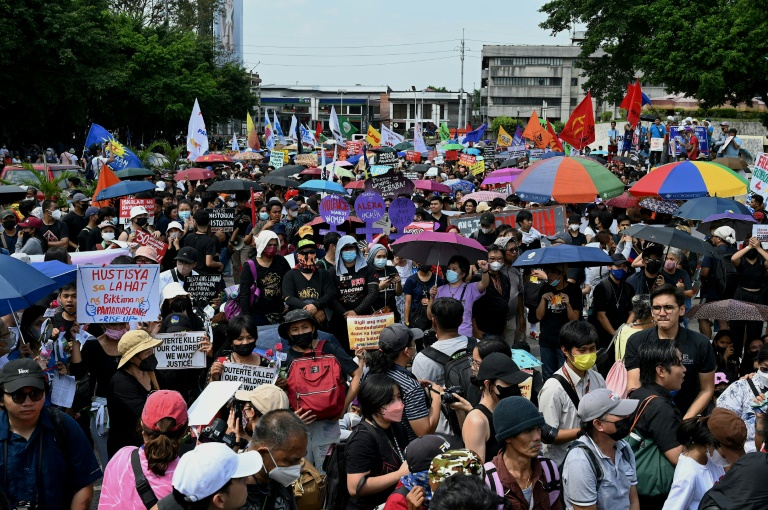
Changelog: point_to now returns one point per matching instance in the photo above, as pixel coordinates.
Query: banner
(657, 144)
(197, 136)
(759, 182)
(126, 204)
(451, 155)
(118, 293)
(387, 158)
(389, 184)
(222, 219)
(354, 147)
(676, 133)
(373, 137)
(250, 376)
(547, 220)
(401, 212)
(389, 137)
(413, 156)
(467, 160)
(334, 210)
(364, 330)
(277, 159)
(203, 287)
(180, 350)
(146, 239)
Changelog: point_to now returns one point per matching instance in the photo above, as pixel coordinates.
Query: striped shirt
(413, 395)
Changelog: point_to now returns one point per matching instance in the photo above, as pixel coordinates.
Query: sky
(396, 43)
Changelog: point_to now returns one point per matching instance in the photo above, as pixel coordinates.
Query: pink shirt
(118, 489)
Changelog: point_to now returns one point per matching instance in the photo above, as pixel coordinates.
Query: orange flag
(579, 131)
(555, 144)
(533, 131)
(106, 179)
(633, 103)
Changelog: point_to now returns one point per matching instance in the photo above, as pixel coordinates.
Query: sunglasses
(19, 397)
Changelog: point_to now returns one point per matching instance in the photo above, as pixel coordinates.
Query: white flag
(292, 130)
(389, 137)
(235, 146)
(278, 129)
(197, 136)
(418, 138)
(333, 167)
(335, 127)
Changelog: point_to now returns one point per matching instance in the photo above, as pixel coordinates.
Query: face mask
(348, 256)
(142, 222)
(183, 270)
(56, 214)
(762, 376)
(263, 216)
(717, 459)
(114, 334)
(452, 276)
(302, 340)
(485, 230)
(108, 236)
(270, 251)
(380, 263)
(231, 204)
(148, 364)
(174, 235)
(393, 412)
(574, 227)
(354, 420)
(9, 225)
(184, 215)
(177, 305)
(508, 391)
(653, 266)
(585, 361)
(495, 266)
(619, 274)
(751, 254)
(670, 265)
(244, 349)
(623, 427)
(293, 214)
(554, 282)
(285, 476)
(114, 221)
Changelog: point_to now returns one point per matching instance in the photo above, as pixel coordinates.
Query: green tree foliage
(437, 89)
(508, 123)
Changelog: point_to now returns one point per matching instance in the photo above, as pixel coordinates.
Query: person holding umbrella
(751, 263)
(457, 288)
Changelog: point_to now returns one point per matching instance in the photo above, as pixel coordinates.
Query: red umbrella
(214, 158)
(355, 185)
(312, 171)
(623, 201)
(194, 174)
(432, 186)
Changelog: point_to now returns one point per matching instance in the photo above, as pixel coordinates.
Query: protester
(612, 304)
(265, 270)
(489, 312)
(240, 346)
(390, 285)
(414, 489)
(460, 492)
(457, 288)
(31, 240)
(751, 263)
(417, 295)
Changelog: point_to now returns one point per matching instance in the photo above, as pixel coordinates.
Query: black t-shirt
(443, 221)
(485, 239)
(641, 283)
(352, 288)
(751, 276)
(660, 419)
(387, 296)
(419, 289)
(93, 238)
(75, 223)
(319, 290)
(96, 362)
(270, 281)
(56, 232)
(490, 311)
(62, 324)
(242, 220)
(698, 358)
(579, 240)
(9, 242)
(205, 245)
(556, 313)
(82, 238)
(743, 487)
(613, 299)
(125, 400)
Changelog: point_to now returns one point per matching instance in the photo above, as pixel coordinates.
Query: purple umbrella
(503, 176)
(741, 223)
(433, 248)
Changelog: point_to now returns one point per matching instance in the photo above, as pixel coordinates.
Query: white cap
(160, 186)
(172, 290)
(174, 224)
(195, 479)
(139, 209)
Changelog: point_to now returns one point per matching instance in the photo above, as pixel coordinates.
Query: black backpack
(335, 467)
(726, 278)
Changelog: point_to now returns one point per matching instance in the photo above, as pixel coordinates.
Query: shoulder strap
(551, 474)
(59, 431)
(753, 387)
(492, 479)
(174, 275)
(252, 265)
(461, 298)
(568, 389)
(591, 457)
(642, 408)
(436, 356)
(145, 491)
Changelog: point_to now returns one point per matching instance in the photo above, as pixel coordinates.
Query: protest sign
(401, 212)
(477, 167)
(535, 154)
(417, 227)
(547, 220)
(250, 376)
(354, 147)
(126, 204)
(384, 224)
(451, 156)
(389, 184)
(334, 210)
(439, 160)
(759, 182)
(760, 232)
(377, 170)
(411, 175)
(431, 155)
(222, 219)
(180, 350)
(387, 158)
(413, 156)
(370, 208)
(364, 330)
(527, 385)
(467, 159)
(489, 152)
(215, 396)
(146, 239)
(277, 159)
(203, 287)
(308, 160)
(657, 144)
(677, 133)
(516, 151)
(118, 293)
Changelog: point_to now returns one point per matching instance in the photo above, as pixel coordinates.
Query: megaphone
(238, 243)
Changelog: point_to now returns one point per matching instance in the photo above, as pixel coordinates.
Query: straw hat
(133, 342)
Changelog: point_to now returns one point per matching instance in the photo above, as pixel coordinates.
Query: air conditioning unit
(395, 124)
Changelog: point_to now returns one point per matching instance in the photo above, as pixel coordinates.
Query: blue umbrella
(354, 159)
(21, 285)
(472, 151)
(56, 270)
(703, 207)
(741, 223)
(524, 359)
(124, 188)
(574, 256)
(598, 153)
(551, 154)
(401, 154)
(323, 186)
(460, 184)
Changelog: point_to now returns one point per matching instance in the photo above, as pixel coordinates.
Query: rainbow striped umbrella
(567, 179)
(690, 179)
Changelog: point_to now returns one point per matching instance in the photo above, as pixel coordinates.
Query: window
(427, 113)
(528, 81)
(355, 110)
(574, 82)
(400, 111)
(528, 61)
(574, 101)
(526, 101)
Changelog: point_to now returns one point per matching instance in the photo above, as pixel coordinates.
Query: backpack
(726, 278)
(310, 489)
(335, 467)
(552, 482)
(89, 175)
(592, 458)
(315, 383)
(232, 308)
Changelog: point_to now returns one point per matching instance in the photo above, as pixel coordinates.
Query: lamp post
(341, 106)
(413, 88)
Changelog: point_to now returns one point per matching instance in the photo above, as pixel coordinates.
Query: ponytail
(381, 362)
(161, 447)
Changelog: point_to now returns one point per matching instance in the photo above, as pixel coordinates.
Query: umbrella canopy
(287, 170)
(623, 201)
(125, 188)
(432, 186)
(598, 153)
(279, 180)
(472, 151)
(704, 207)
(314, 171)
(431, 248)
(420, 168)
(509, 163)
(194, 174)
(732, 163)
(248, 156)
(57, 271)
(567, 180)
(10, 193)
(341, 172)
(729, 309)
(574, 256)
(322, 186)
(233, 185)
(503, 176)
(404, 146)
(599, 159)
(453, 147)
(672, 237)
(214, 158)
(355, 185)
(134, 172)
(21, 285)
(690, 179)
(660, 206)
(552, 154)
(383, 148)
(741, 223)
(460, 184)
(626, 161)
(483, 196)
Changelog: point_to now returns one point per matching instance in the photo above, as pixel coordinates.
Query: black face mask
(623, 427)
(509, 391)
(9, 225)
(244, 349)
(177, 306)
(142, 222)
(303, 340)
(653, 266)
(148, 364)
(752, 253)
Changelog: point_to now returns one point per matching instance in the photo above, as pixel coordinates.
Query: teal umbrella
(129, 173)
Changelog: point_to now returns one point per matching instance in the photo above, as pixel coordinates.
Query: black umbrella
(287, 170)
(383, 148)
(420, 168)
(510, 163)
(626, 161)
(10, 193)
(600, 160)
(669, 236)
(233, 185)
(279, 180)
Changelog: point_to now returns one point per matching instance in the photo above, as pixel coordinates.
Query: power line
(357, 65)
(347, 55)
(344, 47)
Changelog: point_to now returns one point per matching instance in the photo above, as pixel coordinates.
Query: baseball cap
(21, 373)
(574, 219)
(133, 342)
(601, 401)
(618, 259)
(561, 236)
(176, 323)
(105, 224)
(91, 211)
(498, 366)
(137, 210)
(304, 243)
(31, 221)
(279, 228)
(264, 398)
(725, 123)
(727, 427)
(164, 404)
(398, 336)
(79, 197)
(487, 219)
(422, 450)
(195, 479)
(148, 252)
(174, 224)
(187, 254)
(291, 205)
(7, 212)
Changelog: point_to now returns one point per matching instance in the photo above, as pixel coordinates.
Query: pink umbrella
(194, 174)
(430, 248)
(355, 185)
(483, 196)
(311, 171)
(623, 201)
(432, 186)
(214, 158)
(503, 176)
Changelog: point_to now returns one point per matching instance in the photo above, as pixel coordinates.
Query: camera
(216, 432)
(430, 337)
(449, 397)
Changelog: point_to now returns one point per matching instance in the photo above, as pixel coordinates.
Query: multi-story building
(399, 110)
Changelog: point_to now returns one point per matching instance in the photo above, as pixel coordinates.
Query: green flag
(347, 129)
(445, 133)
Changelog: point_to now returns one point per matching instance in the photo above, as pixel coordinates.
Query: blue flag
(476, 135)
(645, 99)
(278, 129)
(518, 138)
(124, 158)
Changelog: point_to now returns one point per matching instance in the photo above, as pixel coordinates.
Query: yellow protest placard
(364, 330)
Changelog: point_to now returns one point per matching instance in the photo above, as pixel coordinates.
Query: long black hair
(375, 392)
(235, 327)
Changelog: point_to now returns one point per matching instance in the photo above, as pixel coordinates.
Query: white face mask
(495, 266)
(574, 227)
(231, 204)
(354, 420)
(485, 230)
(56, 214)
(293, 214)
(108, 236)
(285, 476)
(717, 459)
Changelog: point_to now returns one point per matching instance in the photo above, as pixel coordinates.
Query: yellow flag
(253, 136)
(373, 137)
(503, 140)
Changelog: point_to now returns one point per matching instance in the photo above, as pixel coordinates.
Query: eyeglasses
(666, 308)
(19, 396)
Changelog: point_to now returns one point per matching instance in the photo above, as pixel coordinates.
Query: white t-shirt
(691, 482)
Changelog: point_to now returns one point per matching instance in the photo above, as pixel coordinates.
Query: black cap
(498, 366)
(21, 373)
(618, 259)
(176, 323)
(187, 254)
(574, 218)
(295, 316)
(398, 336)
(487, 219)
(422, 450)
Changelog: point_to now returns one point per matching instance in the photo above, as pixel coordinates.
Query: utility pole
(461, 92)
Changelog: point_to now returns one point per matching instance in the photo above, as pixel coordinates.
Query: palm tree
(171, 156)
(50, 188)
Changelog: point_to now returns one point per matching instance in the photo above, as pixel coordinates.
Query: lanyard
(567, 376)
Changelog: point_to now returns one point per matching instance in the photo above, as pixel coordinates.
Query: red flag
(533, 131)
(555, 144)
(633, 103)
(468, 127)
(106, 179)
(318, 131)
(628, 97)
(579, 131)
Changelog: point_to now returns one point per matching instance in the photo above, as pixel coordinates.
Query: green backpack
(654, 471)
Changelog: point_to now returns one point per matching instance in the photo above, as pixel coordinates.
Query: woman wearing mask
(416, 291)
(574, 227)
(129, 388)
(268, 305)
(389, 280)
(139, 221)
(269, 216)
(376, 449)
(749, 361)
(499, 378)
(173, 238)
(751, 263)
(697, 468)
(457, 288)
(727, 361)
(108, 235)
(185, 217)
(241, 342)
(305, 287)
(30, 240)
